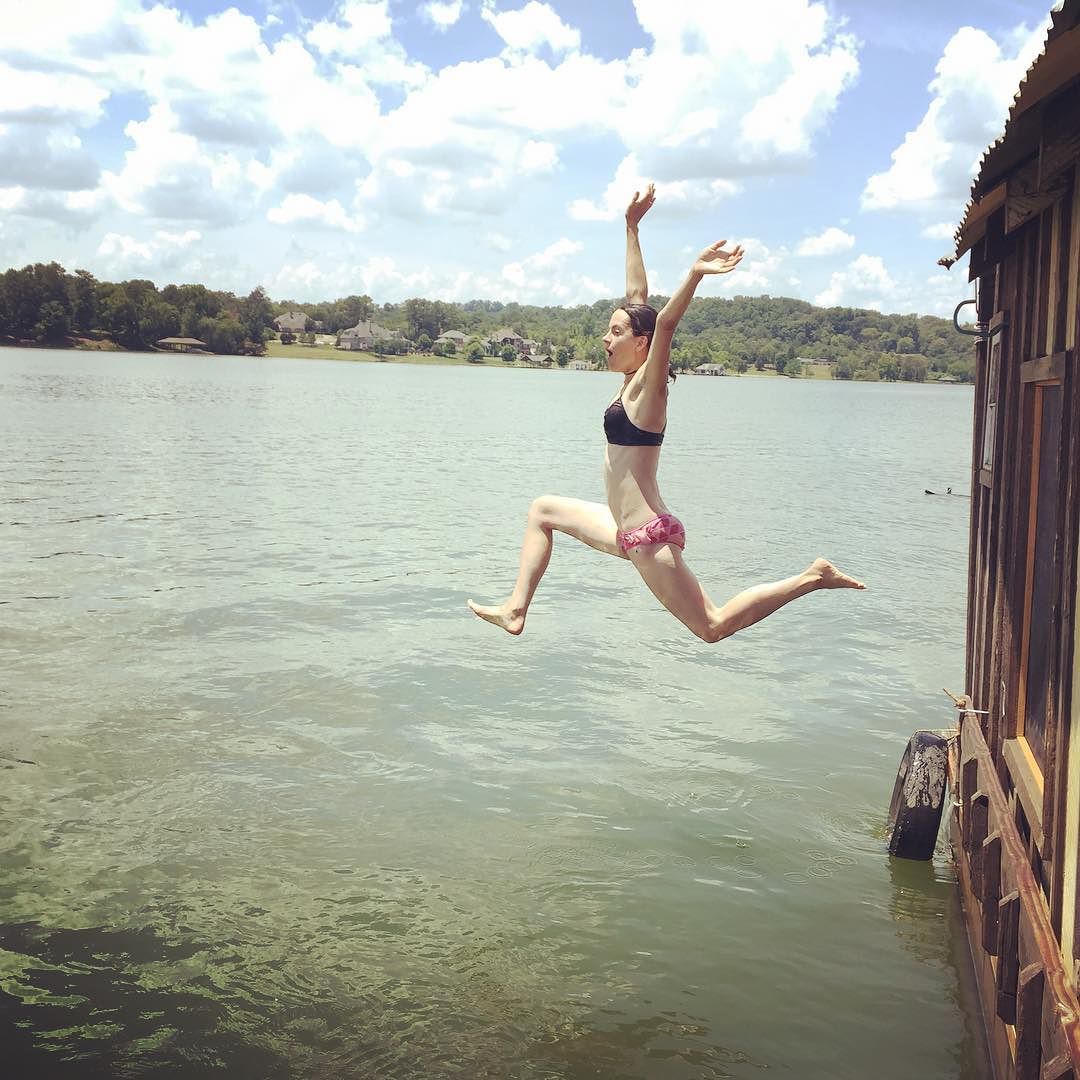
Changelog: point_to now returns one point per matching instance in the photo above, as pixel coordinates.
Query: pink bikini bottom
(665, 529)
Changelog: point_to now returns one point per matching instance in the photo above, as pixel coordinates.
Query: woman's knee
(544, 511)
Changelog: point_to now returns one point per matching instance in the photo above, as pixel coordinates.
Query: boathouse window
(1042, 571)
(990, 415)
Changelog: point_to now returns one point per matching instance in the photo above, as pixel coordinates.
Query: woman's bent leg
(673, 583)
(591, 523)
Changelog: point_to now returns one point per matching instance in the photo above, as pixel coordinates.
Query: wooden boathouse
(1016, 768)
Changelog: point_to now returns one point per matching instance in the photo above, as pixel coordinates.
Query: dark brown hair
(642, 322)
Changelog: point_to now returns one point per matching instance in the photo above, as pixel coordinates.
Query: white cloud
(169, 175)
(944, 230)
(830, 242)
(305, 210)
(11, 197)
(727, 91)
(361, 34)
(530, 28)
(866, 283)
(672, 196)
(126, 255)
(237, 123)
(40, 96)
(164, 256)
(973, 85)
(76, 209)
(316, 278)
(356, 27)
(549, 276)
(757, 80)
(762, 270)
(442, 14)
(41, 157)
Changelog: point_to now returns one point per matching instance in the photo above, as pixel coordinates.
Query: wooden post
(1008, 965)
(969, 782)
(1029, 1000)
(979, 813)
(991, 892)
(1060, 1068)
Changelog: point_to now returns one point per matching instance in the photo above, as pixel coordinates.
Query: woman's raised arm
(637, 285)
(713, 260)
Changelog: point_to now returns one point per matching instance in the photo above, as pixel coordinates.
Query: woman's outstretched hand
(639, 205)
(715, 260)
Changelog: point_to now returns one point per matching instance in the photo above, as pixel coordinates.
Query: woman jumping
(636, 524)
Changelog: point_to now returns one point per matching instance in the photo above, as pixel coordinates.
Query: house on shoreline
(292, 322)
(364, 335)
(457, 338)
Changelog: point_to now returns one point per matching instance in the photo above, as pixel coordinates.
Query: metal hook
(979, 331)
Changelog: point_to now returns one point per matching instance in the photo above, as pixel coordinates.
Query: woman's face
(624, 351)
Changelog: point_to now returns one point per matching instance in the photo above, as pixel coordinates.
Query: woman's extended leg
(673, 583)
(591, 523)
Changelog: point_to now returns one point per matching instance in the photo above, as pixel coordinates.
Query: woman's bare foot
(828, 577)
(513, 622)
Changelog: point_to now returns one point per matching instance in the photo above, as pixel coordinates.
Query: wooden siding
(1025, 993)
(1022, 646)
(1069, 807)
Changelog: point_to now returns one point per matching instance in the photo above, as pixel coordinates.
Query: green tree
(508, 353)
(84, 296)
(357, 309)
(256, 315)
(54, 323)
(913, 368)
(430, 317)
(223, 334)
(156, 320)
(119, 316)
(475, 353)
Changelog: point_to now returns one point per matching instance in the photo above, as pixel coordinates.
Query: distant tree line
(739, 333)
(46, 304)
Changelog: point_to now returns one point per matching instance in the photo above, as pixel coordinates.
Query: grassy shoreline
(296, 351)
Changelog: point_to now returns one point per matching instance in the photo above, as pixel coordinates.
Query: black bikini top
(622, 431)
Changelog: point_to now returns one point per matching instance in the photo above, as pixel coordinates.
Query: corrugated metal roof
(1054, 66)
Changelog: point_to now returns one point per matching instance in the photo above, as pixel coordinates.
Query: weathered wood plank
(969, 784)
(1063, 271)
(1044, 368)
(1059, 143)
(1029, 1002)
(1060, 1068)
(1025, 197)
(979, 809)
(1008, 965)
(991, 892)
(1031, 929)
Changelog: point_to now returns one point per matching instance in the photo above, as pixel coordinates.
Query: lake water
(274, 804)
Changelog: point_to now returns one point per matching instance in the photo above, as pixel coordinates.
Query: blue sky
(463, 149)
